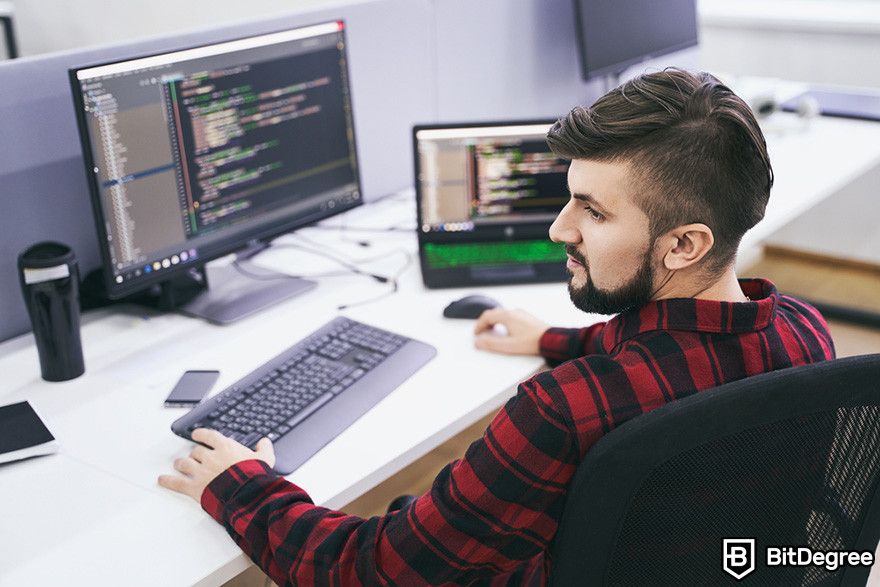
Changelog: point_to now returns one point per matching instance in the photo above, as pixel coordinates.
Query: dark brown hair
(695, 148)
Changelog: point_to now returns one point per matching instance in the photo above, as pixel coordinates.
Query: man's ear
(685, 245)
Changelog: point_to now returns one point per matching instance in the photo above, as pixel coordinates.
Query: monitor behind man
(615, 34)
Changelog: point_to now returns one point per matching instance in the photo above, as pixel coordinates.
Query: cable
(346, 264)
(381, 279)
(274, 276)
(350, 267)
(394, 286)
(359, 261)
(393, 290)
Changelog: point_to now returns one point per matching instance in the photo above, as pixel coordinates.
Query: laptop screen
(473, 177)
(487, 195)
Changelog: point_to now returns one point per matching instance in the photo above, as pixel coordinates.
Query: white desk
(811, 160)
(93, 514)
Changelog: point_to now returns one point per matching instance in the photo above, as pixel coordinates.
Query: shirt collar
(697, 315)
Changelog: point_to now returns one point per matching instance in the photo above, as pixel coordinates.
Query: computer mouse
(469, 307)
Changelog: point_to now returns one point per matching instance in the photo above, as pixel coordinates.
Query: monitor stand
(232, 296)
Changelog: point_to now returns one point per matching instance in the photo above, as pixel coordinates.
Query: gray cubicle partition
(411, 61)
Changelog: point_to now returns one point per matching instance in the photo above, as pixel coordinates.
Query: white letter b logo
(739, 556)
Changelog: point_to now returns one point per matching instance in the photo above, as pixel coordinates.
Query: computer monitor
(616, 34)
(195, 153)
(487, 194)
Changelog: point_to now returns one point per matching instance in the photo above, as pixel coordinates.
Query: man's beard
(635, 293)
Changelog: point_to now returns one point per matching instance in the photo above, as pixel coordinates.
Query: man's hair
(695, 148)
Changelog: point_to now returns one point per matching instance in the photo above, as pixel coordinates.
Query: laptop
(486, 195)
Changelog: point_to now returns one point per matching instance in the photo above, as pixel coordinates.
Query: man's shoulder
(625, 370)
(793, 305)
(598, 392)
(640, 368)
(642, 348)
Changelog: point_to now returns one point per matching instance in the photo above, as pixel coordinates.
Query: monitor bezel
(588, 74)
(264, 232)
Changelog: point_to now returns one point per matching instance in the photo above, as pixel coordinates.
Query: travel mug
(50, 284)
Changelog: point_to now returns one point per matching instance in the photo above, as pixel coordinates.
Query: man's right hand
(523, 337)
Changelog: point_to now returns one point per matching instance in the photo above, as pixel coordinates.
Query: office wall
(825, 42)
(411, 61)
(508, 58)
(46, 26)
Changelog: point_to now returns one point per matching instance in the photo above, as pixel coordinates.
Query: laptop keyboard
(451, 255)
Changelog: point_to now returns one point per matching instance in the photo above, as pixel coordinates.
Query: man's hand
(523, 332)
(204, 463)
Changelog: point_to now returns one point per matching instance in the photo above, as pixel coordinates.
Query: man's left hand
(205, 463)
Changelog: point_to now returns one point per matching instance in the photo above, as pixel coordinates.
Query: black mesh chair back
(789, 458)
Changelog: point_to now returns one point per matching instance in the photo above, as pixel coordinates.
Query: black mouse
(469, 307)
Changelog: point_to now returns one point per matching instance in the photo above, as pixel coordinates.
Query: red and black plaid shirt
(489, 517)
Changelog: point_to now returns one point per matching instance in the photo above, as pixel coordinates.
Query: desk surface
(811, 159)
(94, 511)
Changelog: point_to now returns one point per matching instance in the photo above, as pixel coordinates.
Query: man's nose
(563, 231)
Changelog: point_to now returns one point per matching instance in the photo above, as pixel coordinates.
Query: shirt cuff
(223, 488)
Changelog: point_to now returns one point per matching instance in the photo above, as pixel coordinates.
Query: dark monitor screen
(615, 34)
(192, 154)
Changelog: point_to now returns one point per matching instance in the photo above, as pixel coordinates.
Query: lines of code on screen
(243, 130)
(516, 178)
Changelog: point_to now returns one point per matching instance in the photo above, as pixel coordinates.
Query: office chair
(789, 458)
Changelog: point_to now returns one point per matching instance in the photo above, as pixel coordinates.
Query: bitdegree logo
(802, 556)
(739, 557)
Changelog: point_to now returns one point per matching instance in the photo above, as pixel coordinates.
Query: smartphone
(191, 388)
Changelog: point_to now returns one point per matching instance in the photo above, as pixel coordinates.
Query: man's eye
(593, 213)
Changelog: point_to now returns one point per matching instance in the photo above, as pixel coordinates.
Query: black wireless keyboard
(307, 395)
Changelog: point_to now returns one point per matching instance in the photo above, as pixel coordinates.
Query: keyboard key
(251, 440)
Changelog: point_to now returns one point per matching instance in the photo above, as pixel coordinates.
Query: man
(668, 172)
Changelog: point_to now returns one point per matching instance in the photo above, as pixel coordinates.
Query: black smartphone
(191, 388)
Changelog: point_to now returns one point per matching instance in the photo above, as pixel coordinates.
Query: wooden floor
(810, 278)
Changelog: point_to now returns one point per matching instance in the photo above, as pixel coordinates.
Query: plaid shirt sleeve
(558, 345)
(491, 513)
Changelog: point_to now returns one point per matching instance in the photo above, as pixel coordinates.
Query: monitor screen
(487, 195)
(192, 154)
(615, 34)
(474, 178)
